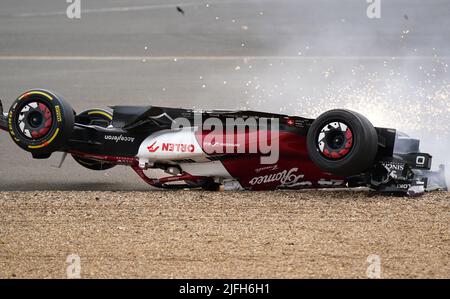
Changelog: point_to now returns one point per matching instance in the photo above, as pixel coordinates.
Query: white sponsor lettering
(324, 182)
(285, 177)
(273, 168)
(119, 138)
(394, 166)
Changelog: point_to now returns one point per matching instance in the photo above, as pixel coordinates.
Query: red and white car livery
(232, 150)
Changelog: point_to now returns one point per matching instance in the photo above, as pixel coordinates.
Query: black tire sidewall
(88, 163)
(364, 148)
(61, 128)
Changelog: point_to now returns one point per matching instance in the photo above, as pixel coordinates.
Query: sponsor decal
(152, 148)
(272, 168)
(325, 182)
(420, 160)
(403, 186)
(177, 147)
(221, 144)
(58, 114)
(285, 177)
(172, 147)
(394, 166)
(395, 169)
(119, 138)
(10, 124)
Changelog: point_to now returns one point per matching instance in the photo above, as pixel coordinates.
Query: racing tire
(98, 117)
(342, 142)
(40, 122)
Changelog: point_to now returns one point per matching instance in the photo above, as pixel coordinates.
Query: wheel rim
(335, 140)
(34, 120)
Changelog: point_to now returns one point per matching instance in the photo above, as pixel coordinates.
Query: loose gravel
(193, 234)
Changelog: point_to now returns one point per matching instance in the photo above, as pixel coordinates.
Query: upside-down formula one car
(225, 150)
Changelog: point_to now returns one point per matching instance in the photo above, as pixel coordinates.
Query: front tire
(40, 122)
(97, 117)
(342, 142)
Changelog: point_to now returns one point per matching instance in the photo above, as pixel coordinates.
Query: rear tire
(40, 122)
(98, 117)
(342, 142)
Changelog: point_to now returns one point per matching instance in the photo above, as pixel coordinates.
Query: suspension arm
(133, 163)
(3, 118)
(162, 182)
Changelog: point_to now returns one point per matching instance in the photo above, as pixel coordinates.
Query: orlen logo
(172, 147)
(285, 177)
(152, 148)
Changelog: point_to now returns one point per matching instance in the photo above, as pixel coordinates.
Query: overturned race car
(225, 150)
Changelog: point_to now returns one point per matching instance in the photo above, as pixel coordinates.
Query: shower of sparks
(412, 100)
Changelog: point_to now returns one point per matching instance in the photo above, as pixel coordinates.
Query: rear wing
(3, 118)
